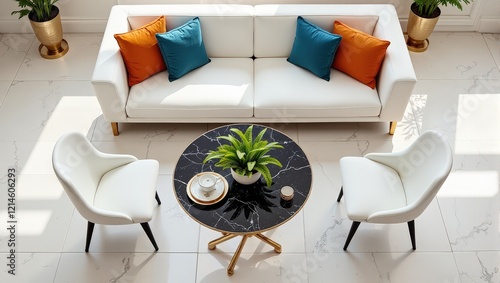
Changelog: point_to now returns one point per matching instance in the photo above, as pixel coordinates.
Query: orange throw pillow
(140, 51)
(359, 54)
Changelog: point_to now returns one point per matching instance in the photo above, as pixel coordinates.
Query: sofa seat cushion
(223, 88)
(287, 91)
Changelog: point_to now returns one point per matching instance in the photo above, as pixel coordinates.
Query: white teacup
(207, 182)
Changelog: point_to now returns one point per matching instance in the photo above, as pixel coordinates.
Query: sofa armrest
(109, 79)
(396, 78)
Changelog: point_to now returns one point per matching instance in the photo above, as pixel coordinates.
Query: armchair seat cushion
(370, 187)
(118, 190)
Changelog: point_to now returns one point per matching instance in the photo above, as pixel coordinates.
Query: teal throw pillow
(314, 48)
(183, 49)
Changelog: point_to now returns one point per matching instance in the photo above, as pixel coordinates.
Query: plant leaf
(240, 154)
(265, 173)
(250, 165)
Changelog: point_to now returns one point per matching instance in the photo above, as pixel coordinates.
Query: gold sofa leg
(114, 127)
(392, 127)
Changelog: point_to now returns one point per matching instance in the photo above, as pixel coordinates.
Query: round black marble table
(246, 210)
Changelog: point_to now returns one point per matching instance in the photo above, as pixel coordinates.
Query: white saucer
(199, 196)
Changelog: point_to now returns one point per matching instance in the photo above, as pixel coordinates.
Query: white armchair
(394, 187)
(110, 189)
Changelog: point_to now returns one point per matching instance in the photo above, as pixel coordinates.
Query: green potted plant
(45, 20)
(424, 15)
(246, 156)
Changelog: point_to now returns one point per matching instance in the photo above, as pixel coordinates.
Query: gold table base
(228, 236)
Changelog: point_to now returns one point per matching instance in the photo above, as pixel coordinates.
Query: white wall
(489, 16)
(91, 15)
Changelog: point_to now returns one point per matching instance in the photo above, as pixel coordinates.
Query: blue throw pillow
(314, 48)
(183, 49)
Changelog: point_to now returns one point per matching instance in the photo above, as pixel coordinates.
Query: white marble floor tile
(31, 267)
(478, 266)
(4, 87)
(43, 213)
(289, 129)
(26, 157)
(325, 221)
(323, 132)
(43, 190)
(177, 231)
(157, 132)
(453, 62)
(71, 114)
(330, 234)
(342, 267)
(39, 160)
(77, 64)
(406, 130)
(43, 110)
(167, 153)
(108, 238)
(126, 267)
(470, 205)
(476, 157)
(13, 49)
(12, 157)
(416, 267)
(460, 109)
(267, 267)
(493, 41)
(470, 199)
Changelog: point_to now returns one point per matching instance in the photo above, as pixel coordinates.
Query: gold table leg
(227, 236)
(236, 256)
(276, 246)
(222, 239)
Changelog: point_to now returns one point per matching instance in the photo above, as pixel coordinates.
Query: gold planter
(50, 35)
(419, 29)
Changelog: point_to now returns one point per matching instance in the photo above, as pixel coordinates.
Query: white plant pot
(245, 180)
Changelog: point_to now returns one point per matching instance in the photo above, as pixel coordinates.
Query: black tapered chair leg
(354, 227)
(411, 227)
(157, 198)
(341, 193)
(147, 229)
(90, 230)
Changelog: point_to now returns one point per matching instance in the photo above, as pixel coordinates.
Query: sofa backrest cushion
(275, 24)
(227, 30)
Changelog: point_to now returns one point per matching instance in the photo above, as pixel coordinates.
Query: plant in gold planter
(424, 15)
(245, 156)
(46, 23)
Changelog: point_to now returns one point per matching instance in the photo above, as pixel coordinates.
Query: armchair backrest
(423, 167)
(79, 166)
(75, 164)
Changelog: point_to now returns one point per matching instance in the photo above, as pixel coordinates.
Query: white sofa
(249, 78)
